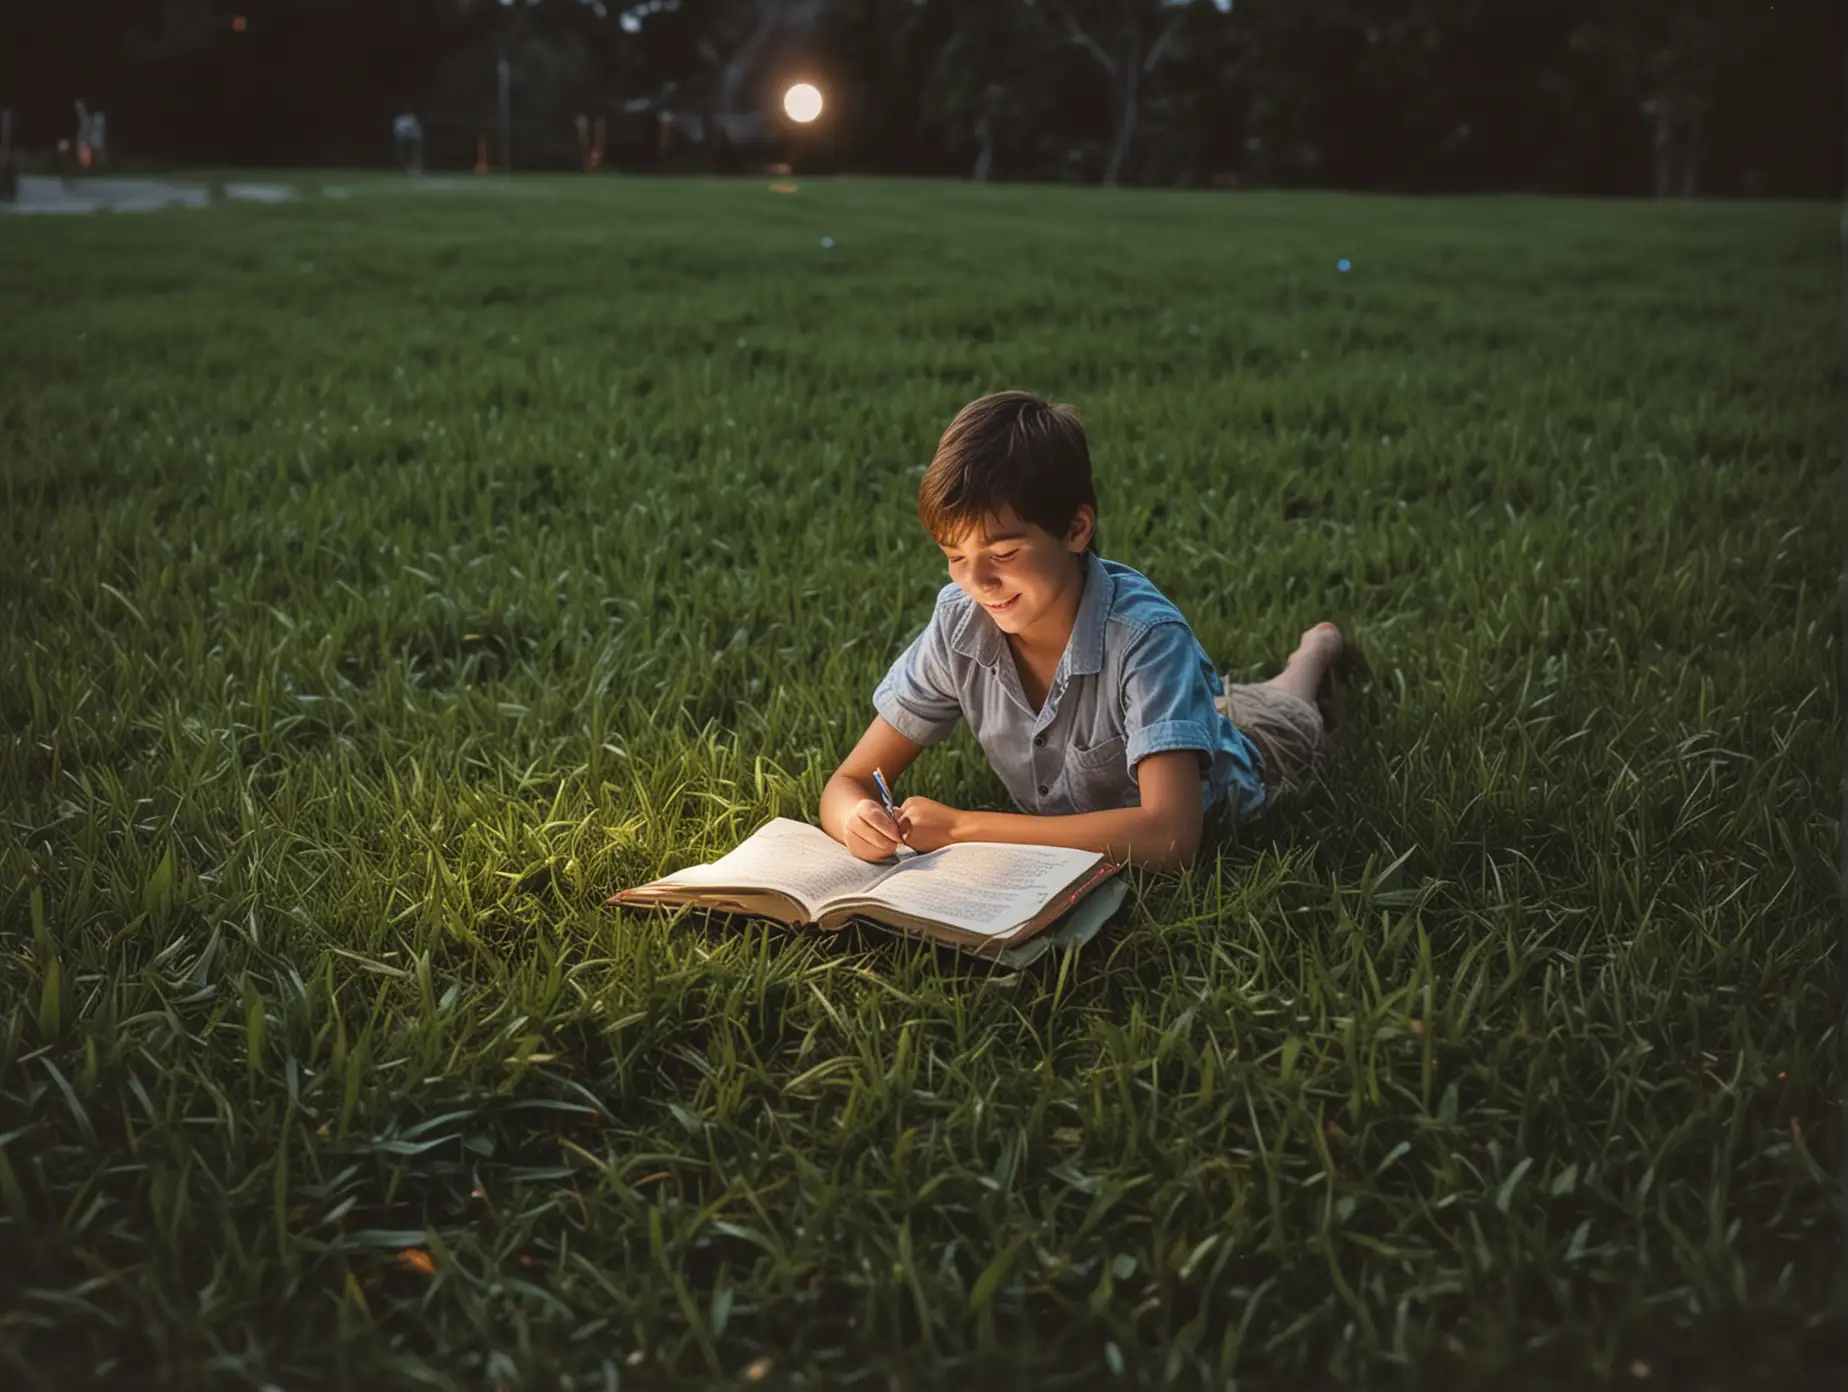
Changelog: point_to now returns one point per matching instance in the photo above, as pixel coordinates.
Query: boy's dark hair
(1009, 449)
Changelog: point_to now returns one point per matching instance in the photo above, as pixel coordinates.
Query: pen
(885, 796)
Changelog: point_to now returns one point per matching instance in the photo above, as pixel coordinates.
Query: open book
(982, 896)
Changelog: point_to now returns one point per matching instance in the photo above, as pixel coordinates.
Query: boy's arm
(1162, 834)
(917, 705)
(844, 816)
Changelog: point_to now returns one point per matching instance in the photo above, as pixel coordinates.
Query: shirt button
(1044, 790)
(1039, 739)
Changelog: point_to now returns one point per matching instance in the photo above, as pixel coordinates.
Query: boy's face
(1020, 573)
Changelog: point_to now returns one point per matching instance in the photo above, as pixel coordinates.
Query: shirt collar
(1085, 652)
(978, 636)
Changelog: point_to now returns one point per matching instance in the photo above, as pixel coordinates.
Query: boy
(1084, 686)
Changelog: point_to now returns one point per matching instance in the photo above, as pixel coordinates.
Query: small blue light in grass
(1343, 265)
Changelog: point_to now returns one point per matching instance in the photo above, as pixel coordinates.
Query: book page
(802, 861)
(983, 886)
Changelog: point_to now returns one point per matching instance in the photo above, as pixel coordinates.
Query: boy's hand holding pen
(885, 796)
(880, 830)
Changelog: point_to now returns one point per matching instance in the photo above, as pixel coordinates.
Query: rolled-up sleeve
(1168, 696)
(918, 697)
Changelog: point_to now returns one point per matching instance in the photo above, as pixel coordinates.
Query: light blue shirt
(1134, 681)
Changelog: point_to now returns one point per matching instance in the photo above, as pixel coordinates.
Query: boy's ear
(1084, 523)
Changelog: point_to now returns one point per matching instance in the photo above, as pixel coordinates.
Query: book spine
(1102, 873)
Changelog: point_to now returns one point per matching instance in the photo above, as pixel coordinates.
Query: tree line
(1603, 97)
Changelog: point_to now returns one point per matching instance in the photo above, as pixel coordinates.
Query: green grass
(387, 581)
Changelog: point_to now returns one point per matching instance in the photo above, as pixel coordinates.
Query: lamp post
(9, 173)
(505, 73)
(802, 104)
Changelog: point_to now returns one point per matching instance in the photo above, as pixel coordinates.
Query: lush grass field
(386, 581)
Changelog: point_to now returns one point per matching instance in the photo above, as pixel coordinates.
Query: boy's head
(1009, 498)
(1010, 452)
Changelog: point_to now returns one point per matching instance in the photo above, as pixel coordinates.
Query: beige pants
(1287, 730)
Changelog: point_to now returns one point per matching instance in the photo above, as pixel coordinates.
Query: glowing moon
(802, 102)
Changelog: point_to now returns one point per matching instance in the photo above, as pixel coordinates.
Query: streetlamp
(802, 103)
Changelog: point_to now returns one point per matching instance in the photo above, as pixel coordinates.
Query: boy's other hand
(928, 825)
(871, 834)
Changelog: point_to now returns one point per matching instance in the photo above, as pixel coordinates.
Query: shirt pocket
(1105, 752)
(1098, 777)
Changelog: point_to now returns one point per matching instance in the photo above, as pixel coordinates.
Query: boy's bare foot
(1321, 644)
(1341, 662)
(1322, 658)
(1305, 671)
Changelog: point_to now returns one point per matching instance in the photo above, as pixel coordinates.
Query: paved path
(113, 195)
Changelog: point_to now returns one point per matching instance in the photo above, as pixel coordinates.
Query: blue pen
(885, 796)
